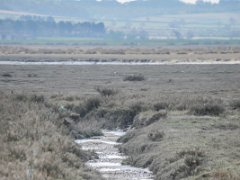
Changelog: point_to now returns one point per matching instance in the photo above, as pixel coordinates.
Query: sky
(194, 1)
(186, 1)
(124, 1)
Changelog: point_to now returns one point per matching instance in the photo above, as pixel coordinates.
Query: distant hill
(92, 9)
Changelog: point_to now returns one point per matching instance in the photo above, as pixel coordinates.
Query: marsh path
(110, 160)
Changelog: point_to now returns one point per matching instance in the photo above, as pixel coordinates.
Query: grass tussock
(174, 145)
(69, 98)
(122, 117)
(106, 92)
(135, 77)
(156, 135)
(7, 75)
(189, 161)
(87, 106)
(35, 144)
(32, 75)
(235, 104)
(119, 117)
(207, 109)
(30, 98)
(148, 117)
(161, 106)
(224, 174)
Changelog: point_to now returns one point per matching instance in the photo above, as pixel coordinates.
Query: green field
(120, 42)
(189, 26)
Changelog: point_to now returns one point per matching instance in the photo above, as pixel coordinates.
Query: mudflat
(171, 54)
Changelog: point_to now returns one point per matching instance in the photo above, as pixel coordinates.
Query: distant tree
(177, 34)
(34, 26)
(189, 35)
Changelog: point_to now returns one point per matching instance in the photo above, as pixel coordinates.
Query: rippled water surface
(110, 160)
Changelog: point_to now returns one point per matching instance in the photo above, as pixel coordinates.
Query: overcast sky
(194, 1)
(186, 1)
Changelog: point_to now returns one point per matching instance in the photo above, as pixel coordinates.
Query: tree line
(31, 26)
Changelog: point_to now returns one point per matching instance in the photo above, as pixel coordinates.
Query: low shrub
(127, 137)
(235, 104)
(120, 117)
(156, 135)
(148, 117)
(92, 103)
(188, 161)
(34, 145)
(6, 75)
(69, 98)
(161, 106)
(106, 91)
(136, 77)
(193, 152)
(32, 75)
(31, 98)
(226, 126)
(89, 105)
(21, 97)
(207, 109)
(37, 98)
(222, 174)
(137, 107)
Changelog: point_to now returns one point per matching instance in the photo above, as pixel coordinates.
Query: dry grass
(135, 77)
(87, 106)
(106, 92)
(148, 117)
(207, 109)
(35, 145)
(182, 146)
(235, 104)
(169, 146)
(171, 142)
(156, 135)
(6, 75)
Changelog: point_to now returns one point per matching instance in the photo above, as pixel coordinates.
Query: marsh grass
(235, 104)
(207, 109)
(35, 145)
(106, 92)
(161, 106)
(7, 75)
(135, 77)
(87, 106)
(156, 135)
(173, 144)
(146, 118)
(29, 98)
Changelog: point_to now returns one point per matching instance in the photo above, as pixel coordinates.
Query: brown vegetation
(35, 143)
(135, 77)
(106, 92)
(178, 146)
(167, 133)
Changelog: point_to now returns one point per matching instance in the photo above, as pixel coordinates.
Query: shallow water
(81, 63)
(110, 160)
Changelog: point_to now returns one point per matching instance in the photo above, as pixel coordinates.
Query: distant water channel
(79, 63)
